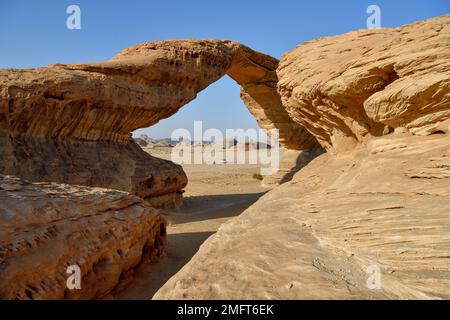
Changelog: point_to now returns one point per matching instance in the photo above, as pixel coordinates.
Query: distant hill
(145, 141)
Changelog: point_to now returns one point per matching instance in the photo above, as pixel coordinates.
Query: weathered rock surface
(137, 88)
(75, 105)
(44, 228)
(379, 198)
(291, 162)
(385, 204)
(349, 88)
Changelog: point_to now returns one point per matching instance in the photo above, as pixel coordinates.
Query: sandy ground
(214, 194)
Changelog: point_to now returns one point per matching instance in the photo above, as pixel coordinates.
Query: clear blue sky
(34, 33)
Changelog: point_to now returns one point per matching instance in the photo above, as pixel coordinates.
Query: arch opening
(82, 115)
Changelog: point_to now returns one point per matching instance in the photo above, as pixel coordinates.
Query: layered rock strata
(45, 228)
(322, 235)
(367, 83)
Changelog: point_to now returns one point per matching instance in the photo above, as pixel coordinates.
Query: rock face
(141, 142)
(377, 199)
(75, 113)
(44, 228)
(349, 88)
(383, 205)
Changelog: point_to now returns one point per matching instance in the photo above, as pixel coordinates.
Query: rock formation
(121, 166)
(146, 142)
(71, 124)
(185, 67)
(379, 102)
(385, 204)
(291, 161)
(45, 228)
(73, 114)
(349, 88)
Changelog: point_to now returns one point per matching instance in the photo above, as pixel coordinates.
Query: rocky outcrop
(377, 200)
(383, 205)
(349, 88)
(121, 166)
(141, 142)
(77, 113)
(45, 228)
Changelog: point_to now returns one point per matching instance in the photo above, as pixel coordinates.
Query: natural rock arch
(75, 113)
(190, 66)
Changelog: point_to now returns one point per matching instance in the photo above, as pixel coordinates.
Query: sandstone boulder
(349, 88)
(75, 112)
(45, 228)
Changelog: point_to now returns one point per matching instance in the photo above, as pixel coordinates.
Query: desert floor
(214, 194)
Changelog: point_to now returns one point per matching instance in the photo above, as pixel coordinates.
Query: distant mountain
(145, 141)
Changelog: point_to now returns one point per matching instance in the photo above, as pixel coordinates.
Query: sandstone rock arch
(81, 112)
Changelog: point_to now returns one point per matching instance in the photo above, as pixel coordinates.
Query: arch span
(89, 110)
(161, 77)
